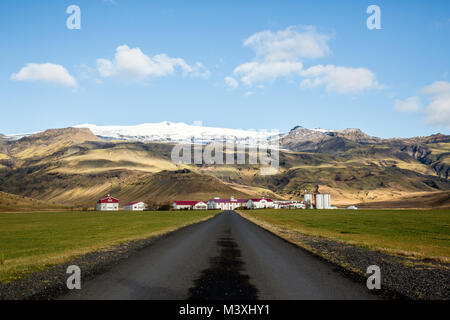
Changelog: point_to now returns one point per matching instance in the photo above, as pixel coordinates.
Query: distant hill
(167, 186)
(74, 167)
(429, 200)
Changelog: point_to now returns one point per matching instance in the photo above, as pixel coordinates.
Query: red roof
(132, 203)
(186, 203)
(259, 199)
(228, 200)
(108, 199)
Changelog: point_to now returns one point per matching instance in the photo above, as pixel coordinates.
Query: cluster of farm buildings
(318, 201)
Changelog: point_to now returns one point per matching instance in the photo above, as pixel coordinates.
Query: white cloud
(47, 72)
(411, 104)
(231, 82)
(289, 44)
(134, 64)
(438, 111)
(280, 54)
(339, 79)
(253, 72)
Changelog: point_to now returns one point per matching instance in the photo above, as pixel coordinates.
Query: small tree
(165, 207)
(152, 205)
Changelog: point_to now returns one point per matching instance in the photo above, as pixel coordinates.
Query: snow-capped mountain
(180, 132)
(175, 132)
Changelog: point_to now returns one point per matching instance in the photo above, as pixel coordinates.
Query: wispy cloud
(411, 104)
(256, 72)
(289, 44)
(438, 110)
(231, 82)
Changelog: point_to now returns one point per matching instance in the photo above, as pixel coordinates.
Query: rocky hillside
(303, 139)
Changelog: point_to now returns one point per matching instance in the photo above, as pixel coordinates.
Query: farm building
(108, 203)
(293, 204)
(190, 205)
(260, 203)
(226, 204)
(135, 206)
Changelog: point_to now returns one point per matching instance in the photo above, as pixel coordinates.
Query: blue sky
(238, 64)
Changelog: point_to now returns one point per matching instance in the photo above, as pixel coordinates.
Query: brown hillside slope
(167, 186)
(430, 200)
(12, 202)
(49, 141)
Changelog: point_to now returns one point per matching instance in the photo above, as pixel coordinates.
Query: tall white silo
(319, 201)
(308, 200)
(326, 201)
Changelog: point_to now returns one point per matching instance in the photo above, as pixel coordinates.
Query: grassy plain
(415, 233)
(34, 241)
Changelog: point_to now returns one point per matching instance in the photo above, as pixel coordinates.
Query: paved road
(224, 257)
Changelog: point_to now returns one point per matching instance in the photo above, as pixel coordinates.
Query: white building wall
(107, 207)
(201, 206)
(140, 206)
(182, 207)
(260, 204)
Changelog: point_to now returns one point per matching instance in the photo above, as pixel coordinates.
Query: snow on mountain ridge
(184, 133)
(174, 131)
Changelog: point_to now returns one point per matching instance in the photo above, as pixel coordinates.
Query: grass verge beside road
(32, 242)
(423, 234)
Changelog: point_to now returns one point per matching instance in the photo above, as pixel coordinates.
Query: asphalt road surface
(226, 257)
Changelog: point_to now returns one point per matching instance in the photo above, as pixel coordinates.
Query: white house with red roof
(190, 205)
(226, 204)
(260, 203)
(135, 206)
(108, 203)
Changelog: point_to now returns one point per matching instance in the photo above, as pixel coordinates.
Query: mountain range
(73, 167)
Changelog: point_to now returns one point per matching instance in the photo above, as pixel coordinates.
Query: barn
(108, 203)
(260, 203)
(135, 206)
(189, 205)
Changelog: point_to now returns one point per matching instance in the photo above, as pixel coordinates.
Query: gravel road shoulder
(402, 277)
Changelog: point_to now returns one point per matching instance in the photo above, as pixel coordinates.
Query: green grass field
(416, 233)
(35, 241)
